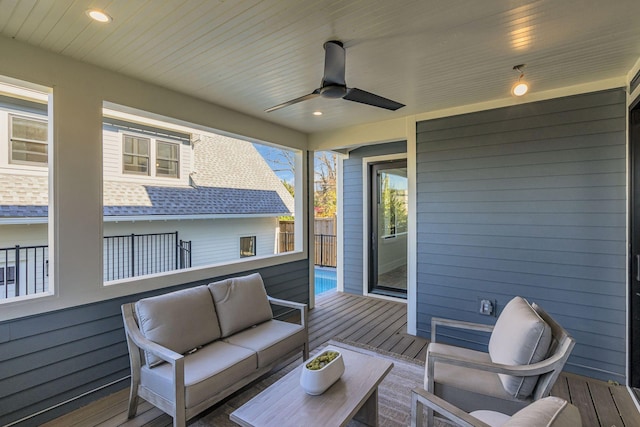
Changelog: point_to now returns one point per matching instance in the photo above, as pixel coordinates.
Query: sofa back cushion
(241, 302)
(520, 337)
(546, 412)
(180, 320)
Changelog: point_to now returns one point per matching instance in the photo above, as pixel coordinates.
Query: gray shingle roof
(229, 176)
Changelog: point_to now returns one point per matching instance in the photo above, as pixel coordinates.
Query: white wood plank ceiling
(249, 55)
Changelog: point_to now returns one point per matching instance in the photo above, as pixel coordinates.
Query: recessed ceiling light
(317, 113)
(98, 15)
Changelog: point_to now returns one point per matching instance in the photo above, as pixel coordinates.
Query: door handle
(638, 267)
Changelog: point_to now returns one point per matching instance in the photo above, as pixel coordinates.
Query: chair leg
(133, 401)
(417, 411)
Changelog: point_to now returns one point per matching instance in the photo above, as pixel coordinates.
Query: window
(25, 201)
(7, 276)
(28, 140)
(167, 159)
(179, 197)
(135, 155)
(247, 246)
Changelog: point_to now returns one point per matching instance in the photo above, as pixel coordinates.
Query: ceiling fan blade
(334, 60)
(312, 95)
(364, 97)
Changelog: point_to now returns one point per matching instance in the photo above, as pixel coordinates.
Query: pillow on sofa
(520, 337)
(241, 302)
(180, 320)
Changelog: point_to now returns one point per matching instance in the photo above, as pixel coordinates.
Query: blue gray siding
(528, 200)
(353, 198)
(50, 358)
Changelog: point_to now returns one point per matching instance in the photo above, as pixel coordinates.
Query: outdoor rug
(394, 393)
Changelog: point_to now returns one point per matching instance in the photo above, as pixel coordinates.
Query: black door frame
(373, 195)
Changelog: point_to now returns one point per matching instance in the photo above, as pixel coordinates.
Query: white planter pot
(315, 382)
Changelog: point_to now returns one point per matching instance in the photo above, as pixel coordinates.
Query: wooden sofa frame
(138, 344)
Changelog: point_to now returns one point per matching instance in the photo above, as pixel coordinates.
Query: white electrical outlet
(487, 307)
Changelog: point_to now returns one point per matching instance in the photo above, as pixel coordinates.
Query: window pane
(247, 246)
(142, 146)
(33, 130)
(167, 168)
(136, 164)
(167, 151)
(33, 147)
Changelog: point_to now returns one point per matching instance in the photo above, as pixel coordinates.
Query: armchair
(527, 351)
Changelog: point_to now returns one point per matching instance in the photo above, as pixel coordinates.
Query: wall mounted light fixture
(520, 87)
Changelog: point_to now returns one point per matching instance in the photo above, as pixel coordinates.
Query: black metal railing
(24, 270)
(134, 255)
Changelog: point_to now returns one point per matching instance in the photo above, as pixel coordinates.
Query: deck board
(378, 323)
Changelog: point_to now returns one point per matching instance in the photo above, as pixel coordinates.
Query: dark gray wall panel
(528, 200)
(50, 358)
(353, 200)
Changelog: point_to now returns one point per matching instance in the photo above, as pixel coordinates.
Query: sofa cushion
(241, 302)
(493, 418)
(520, 337)
(208, 371)
(271, 340)
(180, 320)
(548, 412)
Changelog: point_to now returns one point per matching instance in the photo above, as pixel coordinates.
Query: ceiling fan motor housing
(333, 91)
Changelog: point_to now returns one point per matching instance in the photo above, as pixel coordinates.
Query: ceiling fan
(334, 85)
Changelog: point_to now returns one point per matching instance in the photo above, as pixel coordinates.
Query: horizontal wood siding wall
(50, 358)
(353, 200)
(528, 200)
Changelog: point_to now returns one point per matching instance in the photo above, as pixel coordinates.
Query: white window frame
(125, 153)
(44, 164)
(176, 160)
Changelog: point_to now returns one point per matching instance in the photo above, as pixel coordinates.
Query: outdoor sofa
(191, 348)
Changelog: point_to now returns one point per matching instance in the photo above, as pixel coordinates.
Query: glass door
(388, 207)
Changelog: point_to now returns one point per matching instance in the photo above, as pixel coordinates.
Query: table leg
(368, 414)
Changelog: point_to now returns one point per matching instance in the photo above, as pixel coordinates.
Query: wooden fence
(325, 241)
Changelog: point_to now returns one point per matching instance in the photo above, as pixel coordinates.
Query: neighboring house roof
(230, 177)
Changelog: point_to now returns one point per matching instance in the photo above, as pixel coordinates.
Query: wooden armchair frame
(547, 370)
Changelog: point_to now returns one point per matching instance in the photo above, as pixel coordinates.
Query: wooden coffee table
(353, 396)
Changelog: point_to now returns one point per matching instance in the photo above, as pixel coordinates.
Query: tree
(325, 196)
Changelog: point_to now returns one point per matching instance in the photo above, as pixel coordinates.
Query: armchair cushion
(462, 378)
(547, 412)
(180, 321)
(520, 337)
(241, 302)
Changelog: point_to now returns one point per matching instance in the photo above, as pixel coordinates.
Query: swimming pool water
(326, 279)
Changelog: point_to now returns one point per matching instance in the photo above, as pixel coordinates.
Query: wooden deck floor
(381, 324)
